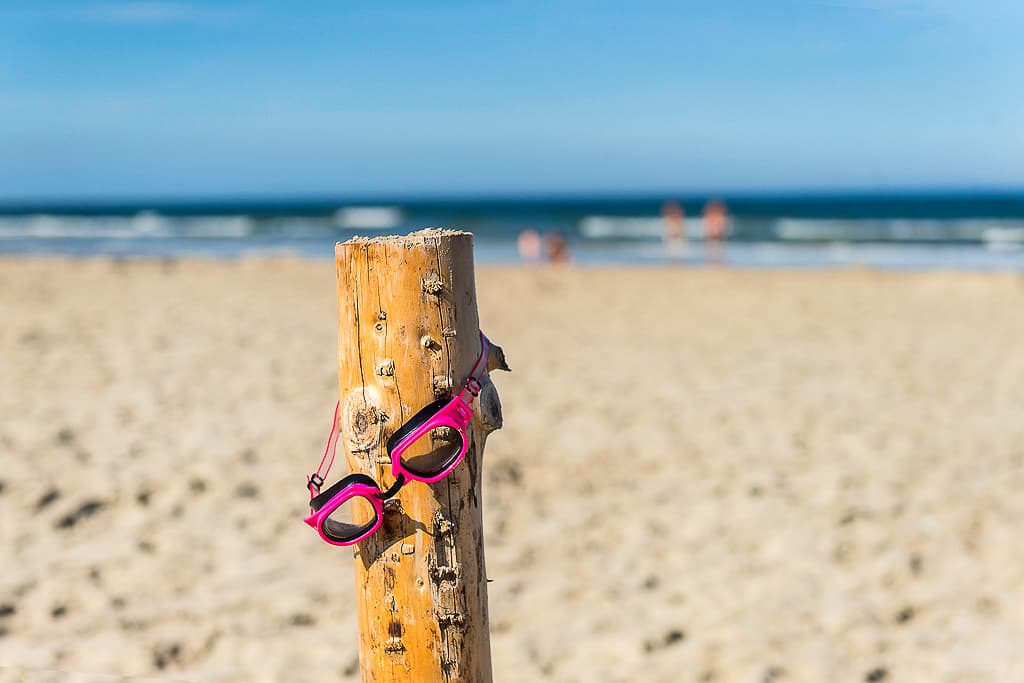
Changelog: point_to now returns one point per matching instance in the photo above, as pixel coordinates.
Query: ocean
(951, 231)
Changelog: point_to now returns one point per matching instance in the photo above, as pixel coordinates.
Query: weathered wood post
(407, 334)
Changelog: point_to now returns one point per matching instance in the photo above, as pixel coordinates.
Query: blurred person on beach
(674, 217)
(556, 248)
(530, 246)
(715, 228)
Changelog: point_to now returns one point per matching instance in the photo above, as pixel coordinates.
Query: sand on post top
(417, 236)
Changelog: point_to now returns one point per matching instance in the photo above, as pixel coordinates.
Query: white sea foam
(621, 227)
(1003, 235)
(639, 227)
(144, 225)
(368, 217)
(899, 229)
(47, 226)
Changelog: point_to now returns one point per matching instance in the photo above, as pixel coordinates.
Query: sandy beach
(704, 475)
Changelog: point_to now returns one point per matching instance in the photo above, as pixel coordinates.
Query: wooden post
(407, 334)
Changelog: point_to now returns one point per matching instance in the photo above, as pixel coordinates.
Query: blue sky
(141, 98)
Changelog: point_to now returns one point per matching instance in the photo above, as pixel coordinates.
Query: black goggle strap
(337, 487)
(318, 501)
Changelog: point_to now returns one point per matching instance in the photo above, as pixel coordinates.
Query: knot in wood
(361, 422)
(386, 368)
(446, 619)
(364, 420)
(442, 385)
(393, 517)
(442, 525)
(432, 285)
(439, 574)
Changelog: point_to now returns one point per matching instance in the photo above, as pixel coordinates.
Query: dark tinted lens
(350, 520)
(413, 423)
(430, 454)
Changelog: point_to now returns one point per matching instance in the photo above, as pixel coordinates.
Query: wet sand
(703, 475)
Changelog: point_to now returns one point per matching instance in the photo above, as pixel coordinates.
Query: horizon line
(383, 198)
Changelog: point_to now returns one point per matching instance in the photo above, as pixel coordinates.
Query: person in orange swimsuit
(716, 219)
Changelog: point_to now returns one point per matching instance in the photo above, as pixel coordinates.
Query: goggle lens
(354, 509)
(433, 452)
(350, 520)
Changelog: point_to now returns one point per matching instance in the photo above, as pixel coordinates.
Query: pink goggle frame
(454, 413)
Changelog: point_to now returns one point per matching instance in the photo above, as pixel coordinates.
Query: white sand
(703, 476)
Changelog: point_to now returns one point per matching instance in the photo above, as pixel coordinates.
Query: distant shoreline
(958, 231)
(229, 204)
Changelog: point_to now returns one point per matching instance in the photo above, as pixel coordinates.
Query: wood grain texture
(407, 333)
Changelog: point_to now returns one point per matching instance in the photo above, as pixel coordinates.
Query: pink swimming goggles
(425, 449)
